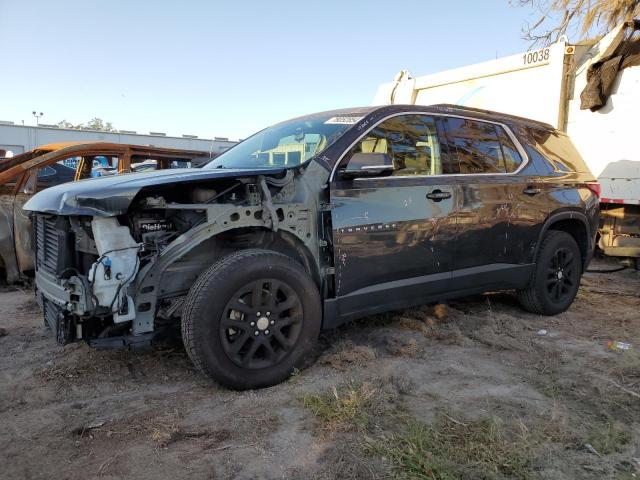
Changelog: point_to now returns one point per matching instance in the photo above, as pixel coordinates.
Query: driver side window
(410, 140)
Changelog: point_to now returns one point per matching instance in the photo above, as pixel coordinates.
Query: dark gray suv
(313, 222)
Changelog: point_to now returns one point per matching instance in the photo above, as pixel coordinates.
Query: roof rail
(493, 112)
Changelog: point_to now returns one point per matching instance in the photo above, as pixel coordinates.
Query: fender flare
(567, 215)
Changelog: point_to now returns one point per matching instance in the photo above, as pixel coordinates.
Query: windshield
(287, 144)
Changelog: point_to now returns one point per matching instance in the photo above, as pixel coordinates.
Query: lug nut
(266, 332)
(258, 314)
(268, 313)
(256, 333)
(272, 322)
(253, 324)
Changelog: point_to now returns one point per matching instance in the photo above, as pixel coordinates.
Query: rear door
(393, 234)
(497, 211)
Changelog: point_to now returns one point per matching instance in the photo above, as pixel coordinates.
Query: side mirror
(368, 165)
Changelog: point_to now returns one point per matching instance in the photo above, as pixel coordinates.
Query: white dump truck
(591, 90)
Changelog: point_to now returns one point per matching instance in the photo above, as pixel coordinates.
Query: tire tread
(201, 288)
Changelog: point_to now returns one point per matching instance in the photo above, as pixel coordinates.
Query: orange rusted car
(28, 173)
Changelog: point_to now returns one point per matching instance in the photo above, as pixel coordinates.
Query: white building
(21, 138)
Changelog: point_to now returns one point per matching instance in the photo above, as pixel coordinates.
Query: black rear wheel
(252, 318)
(560, 274)
(556, 277)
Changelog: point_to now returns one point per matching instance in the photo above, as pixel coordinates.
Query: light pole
(34, 113)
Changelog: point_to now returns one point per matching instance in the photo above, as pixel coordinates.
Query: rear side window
(558, 149)
(482, 147)
(512, 158)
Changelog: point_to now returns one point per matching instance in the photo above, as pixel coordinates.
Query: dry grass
(77, 364)
(160, 429)
(437, 322)
(357, 407)
(497, 329)
(626, 369)
(402, 348)
(608, 437)
(492, 446)
(346, 355)
(452, 448)
(584, 424)
(88, 362)
(342, 409)
(407, 322)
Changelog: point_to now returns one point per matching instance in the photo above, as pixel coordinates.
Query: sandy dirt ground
(476, 389)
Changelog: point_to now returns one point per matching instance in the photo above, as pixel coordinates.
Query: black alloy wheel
(556, 276)
(251, 319)
(261, 323)
(560, 277)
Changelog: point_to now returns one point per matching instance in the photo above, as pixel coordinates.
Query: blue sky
(229, 68)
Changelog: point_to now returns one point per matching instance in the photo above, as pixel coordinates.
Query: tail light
(595, 188)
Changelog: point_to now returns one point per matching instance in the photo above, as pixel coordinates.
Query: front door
(393, 235)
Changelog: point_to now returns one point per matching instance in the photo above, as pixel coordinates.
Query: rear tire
(556, 276)
(251, 319)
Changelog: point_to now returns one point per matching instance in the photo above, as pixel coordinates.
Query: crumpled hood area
(109, 196)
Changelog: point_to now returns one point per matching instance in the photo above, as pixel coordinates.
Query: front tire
(251, 318)
(556, 276)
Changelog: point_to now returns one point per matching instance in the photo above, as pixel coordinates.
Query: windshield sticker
(343, 120)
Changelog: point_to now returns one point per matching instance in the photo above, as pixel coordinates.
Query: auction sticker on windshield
(344, 120)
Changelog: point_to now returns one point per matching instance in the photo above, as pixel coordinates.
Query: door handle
(531, 190)
(438, 195)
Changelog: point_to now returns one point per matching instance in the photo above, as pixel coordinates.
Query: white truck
(551, 84)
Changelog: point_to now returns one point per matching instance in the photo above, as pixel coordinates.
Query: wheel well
(280, 241)
(578, 231)
(194, 262)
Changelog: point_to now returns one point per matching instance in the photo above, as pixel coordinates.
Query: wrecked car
(26, 174)
(313, 222)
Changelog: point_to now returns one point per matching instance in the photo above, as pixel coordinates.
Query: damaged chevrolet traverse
(313, 222)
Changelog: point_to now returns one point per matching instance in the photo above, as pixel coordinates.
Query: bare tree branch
(582, 17)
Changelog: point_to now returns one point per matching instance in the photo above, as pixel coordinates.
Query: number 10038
(537, 56)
